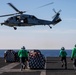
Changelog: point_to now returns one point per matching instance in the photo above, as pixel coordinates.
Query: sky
(40, 37)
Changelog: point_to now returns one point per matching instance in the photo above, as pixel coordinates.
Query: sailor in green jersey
(23, 55)
(73, 56)
(63, 55)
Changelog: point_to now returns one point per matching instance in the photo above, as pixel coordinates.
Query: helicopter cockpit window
(18, 17)
(33, 17)
(25, 20)
(10, 18)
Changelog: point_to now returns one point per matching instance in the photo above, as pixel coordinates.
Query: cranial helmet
(23, 47)
(75, 45)
(62, 48)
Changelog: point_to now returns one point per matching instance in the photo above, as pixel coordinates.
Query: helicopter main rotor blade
(10, 4)
(8, 15)
(20, 12)
(46, 5)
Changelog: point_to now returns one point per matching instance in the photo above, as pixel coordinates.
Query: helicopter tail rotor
(56, 12)
(56, 18)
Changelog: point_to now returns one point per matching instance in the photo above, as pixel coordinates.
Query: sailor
(73, 56)
(23, 55)
(63, 55)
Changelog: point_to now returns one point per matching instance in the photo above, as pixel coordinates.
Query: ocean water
(48, 52)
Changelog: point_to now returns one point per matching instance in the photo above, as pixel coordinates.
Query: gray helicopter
(20, 19)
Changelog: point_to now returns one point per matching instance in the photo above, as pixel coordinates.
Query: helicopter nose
(6, 21)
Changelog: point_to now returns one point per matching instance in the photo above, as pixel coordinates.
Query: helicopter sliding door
(25, 20)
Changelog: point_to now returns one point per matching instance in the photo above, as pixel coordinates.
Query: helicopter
(20, 19)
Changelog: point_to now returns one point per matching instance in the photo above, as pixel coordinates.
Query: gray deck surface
(52, 67)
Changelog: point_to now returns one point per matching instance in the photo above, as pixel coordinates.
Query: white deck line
(43, 73)
(8, 67)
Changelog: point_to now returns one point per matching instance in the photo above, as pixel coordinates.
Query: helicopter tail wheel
(15, 28)
(50, 26)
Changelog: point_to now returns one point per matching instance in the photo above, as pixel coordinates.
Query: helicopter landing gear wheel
(1, 24)
(15, 28)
